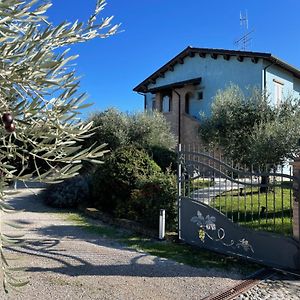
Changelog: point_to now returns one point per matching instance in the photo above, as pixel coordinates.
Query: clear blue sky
(157, 30)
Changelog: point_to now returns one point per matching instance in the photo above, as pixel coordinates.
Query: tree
(277, 140)
(111, 127)
(250, 130)
(148, 131)
(143, 129)
(39, 99)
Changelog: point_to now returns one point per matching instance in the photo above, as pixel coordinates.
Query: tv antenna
(244, 42)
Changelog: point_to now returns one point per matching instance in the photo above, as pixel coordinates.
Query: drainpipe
(179, 116)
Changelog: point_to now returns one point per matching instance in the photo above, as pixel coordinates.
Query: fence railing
(260, 198)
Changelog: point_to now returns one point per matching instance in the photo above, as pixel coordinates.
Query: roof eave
(178, 85)
(142, 87)
(286, 66)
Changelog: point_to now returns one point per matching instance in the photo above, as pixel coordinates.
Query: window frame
(168, 106)
(278, 92)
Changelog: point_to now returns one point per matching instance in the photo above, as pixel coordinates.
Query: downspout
(179, 116)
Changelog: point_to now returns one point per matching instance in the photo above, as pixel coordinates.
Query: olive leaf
(40, 90)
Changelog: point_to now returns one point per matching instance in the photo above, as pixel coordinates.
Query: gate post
(296, 201)
(179, 177)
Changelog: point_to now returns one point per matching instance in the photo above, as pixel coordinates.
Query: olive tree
(144, 129)
(277, 140)
(252, 131)
(39, 100)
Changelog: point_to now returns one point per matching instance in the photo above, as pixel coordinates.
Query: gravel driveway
(66, 262)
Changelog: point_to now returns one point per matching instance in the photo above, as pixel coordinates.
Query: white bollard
(162, 221)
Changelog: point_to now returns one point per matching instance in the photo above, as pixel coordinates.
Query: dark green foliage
(137, 141)
(278, 139)
(165, 158)
(131, 185)
(154, 193)
(113, 181)
(118, 129)
(68, 194)
(233, 117)
(252, 130)
(110, 127)
(150, 129)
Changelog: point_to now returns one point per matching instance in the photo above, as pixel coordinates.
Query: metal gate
(237, 211)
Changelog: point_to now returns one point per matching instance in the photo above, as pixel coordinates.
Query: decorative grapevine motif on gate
(245, 245)
(207, 227)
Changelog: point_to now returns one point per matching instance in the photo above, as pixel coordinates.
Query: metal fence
(253, 196)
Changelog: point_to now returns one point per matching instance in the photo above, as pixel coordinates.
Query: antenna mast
(243, 43)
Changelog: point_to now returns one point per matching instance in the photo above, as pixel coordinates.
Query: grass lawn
(179, 252)
(270, 211)
(199, 183)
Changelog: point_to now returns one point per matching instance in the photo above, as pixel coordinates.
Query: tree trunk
(265, 180)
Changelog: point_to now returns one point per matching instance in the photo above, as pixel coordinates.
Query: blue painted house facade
(186, 85)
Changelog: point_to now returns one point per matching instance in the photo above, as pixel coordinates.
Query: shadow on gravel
(74, 260)
(23, 222)
(73, 265)
(30, 201)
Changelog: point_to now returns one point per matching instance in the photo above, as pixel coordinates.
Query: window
(200, 95)
(189, 99)
(278, 92)
(166, 103)
(187, 103)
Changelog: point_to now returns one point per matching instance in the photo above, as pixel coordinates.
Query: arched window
(187, 104)
(166, 103)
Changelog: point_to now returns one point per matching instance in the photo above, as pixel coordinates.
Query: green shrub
(165, 158)
(156, 192)
(113, 182)
(119, 129)
(149, 129)
(68, 194)
(110, 127)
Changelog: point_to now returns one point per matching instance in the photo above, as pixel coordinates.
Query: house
(187, 84)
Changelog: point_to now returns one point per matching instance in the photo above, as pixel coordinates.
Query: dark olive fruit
(7, 118)
(10, 127)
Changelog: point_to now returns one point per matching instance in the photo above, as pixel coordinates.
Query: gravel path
(65, 262)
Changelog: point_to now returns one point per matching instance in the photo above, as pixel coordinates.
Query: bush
(118, 129)
(68, 194)
(149, 129)
(110, 127)
(165, 158)
(154, 193)
(114, 181)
